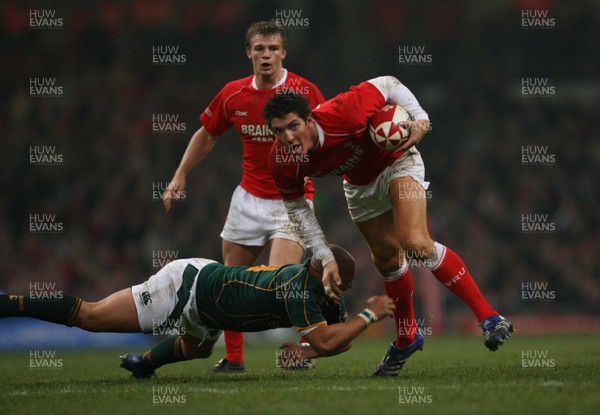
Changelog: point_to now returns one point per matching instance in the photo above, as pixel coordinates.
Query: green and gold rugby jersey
(261, 298)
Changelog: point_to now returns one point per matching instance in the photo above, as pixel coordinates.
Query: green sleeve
(335, 312)
(302, 303)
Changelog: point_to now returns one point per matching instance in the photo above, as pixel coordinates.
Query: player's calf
(62, 310)
(168, 351)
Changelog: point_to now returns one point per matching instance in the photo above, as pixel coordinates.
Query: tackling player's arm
(201, 143)
(397, 93)
(329, 340)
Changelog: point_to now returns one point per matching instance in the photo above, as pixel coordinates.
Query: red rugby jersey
(344, 147)
(240, 103)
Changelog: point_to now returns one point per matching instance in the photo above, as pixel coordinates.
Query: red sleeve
(289, 179)
(214, 118)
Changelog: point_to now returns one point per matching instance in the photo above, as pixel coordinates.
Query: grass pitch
(453, 375)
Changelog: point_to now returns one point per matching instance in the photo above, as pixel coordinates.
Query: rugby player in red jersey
(385, 192)
(256, 215)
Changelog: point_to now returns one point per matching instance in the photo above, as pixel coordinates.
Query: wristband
(368, 316)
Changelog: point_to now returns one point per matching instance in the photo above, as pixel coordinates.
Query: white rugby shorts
(254, 221)
(166, 302)
(371, 200)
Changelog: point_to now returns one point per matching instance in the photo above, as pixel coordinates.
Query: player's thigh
(167, 296)
(115, 313)
(285, 251)
(287, 246)
(250, 220)
(380, 234)
(409, 206)
(237, 254)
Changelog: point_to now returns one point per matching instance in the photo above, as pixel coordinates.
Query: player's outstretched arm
(305, 222)
(201, 143)
(337, 338)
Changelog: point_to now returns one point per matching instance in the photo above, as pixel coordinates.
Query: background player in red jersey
(385, 192)
(256, 214)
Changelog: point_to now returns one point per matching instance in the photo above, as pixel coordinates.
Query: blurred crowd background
(102, 191)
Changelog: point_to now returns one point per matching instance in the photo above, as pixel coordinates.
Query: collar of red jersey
(278, 84)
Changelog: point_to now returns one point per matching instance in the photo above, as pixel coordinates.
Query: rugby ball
(384, 129)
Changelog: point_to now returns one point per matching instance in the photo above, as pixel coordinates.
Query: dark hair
(345, 261)
(266, 28)
(285, 103)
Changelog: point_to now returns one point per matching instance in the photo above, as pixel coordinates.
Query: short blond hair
(266, 28)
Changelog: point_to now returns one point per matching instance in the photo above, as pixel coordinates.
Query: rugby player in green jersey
(197, 298)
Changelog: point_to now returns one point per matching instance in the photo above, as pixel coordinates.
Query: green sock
(61, 310)
(167, 351)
